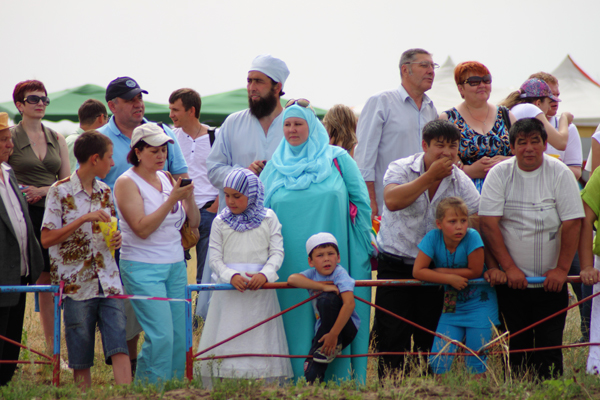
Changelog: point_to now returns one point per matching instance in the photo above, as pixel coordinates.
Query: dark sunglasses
(476, 80)
(301, 102)
(34, 99)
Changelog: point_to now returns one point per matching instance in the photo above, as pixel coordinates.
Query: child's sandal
(320, 357)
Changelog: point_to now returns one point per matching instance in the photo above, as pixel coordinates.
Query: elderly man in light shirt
(391, 122)
(22, 260)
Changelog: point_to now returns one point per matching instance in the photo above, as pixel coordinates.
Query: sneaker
(320, 357)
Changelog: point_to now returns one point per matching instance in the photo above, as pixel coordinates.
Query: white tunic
(231, 312)
(240, 142)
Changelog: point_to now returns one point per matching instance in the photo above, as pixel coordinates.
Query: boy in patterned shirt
(80, 256)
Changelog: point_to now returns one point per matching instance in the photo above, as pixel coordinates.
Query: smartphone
(185, 182)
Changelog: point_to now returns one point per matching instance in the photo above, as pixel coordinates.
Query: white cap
(318, 239)
(273, 67)
(150, 133)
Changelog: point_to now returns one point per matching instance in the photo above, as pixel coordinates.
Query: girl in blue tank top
(469, 312)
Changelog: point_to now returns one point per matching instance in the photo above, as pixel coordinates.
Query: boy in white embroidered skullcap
(337, 322)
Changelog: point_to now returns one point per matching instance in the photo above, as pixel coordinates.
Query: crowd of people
(476, 191)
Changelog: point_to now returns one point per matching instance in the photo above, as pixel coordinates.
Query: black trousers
(419, 304)
(329, 306)
(11, 326)
(521, 308)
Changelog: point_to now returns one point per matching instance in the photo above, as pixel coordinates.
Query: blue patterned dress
(474, 145)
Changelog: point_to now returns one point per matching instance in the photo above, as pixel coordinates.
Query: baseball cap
(536, 88)
(150, 133)
(123, 87)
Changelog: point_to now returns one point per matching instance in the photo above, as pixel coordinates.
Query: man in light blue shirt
(391, 122)
(124, 98)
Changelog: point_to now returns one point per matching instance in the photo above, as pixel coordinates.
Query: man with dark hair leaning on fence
(413, 188)
(530, 216)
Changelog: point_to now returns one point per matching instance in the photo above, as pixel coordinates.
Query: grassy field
(34, 381)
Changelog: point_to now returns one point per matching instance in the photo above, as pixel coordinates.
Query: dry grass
(457, 383)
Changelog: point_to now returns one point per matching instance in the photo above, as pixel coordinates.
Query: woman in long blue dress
(309, 195)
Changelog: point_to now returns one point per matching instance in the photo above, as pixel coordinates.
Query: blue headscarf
(296, 167)
(248, 184)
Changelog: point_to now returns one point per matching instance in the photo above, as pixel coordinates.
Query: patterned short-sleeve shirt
(402, 230)
(83, 261)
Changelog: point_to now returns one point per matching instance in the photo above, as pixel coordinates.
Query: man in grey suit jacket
(20, 255)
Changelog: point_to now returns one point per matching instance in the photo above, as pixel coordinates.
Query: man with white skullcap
(248, 138)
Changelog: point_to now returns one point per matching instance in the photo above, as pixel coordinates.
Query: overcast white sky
(338, 51)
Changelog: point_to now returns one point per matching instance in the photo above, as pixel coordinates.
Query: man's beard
(264, 106)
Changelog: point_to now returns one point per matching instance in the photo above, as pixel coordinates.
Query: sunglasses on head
(476, 80)
(301, 102)
(34, 99)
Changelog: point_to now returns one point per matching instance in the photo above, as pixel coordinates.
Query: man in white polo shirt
(530, 216)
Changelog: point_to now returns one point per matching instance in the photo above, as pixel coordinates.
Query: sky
(338, 51)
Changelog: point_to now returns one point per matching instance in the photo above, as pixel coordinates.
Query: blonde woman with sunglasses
(40, 157)
(483, 126)
(310, 195)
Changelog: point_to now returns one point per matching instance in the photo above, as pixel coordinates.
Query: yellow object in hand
(108, 229)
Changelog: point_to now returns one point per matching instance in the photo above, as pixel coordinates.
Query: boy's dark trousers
(329, 306)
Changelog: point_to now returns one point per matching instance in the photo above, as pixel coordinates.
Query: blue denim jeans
(473, 338)
(329, 306)
(81, 318)
(163, 352)
(206, 220)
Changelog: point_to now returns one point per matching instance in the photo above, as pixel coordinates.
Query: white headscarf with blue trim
(296, 167)
(248, 184)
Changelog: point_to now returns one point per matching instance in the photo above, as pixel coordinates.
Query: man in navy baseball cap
(123, 87)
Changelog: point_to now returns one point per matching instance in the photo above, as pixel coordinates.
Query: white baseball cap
(150, 133)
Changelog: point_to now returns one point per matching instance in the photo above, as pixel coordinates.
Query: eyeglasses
(301, 102)
(476, 80)
(424, 64)
(34, 99)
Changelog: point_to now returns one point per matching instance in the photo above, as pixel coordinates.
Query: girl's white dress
(230, 311)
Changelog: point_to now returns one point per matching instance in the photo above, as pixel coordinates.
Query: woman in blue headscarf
(310, 194)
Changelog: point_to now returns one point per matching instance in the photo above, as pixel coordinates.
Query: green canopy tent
(215, 108)
(64, 105)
